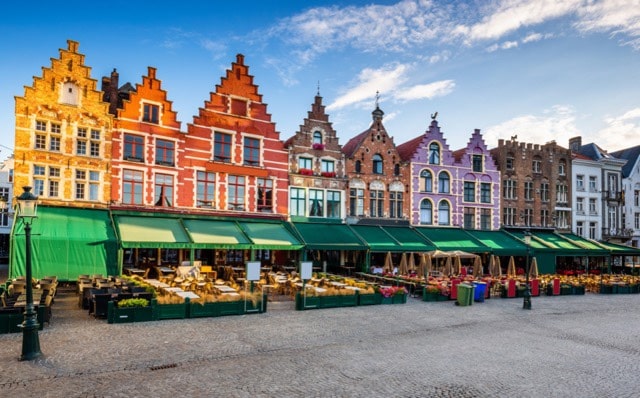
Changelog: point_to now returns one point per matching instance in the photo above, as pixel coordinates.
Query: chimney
(575, 143)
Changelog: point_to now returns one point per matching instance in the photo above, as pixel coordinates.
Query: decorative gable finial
(318, 93)
(434, 115)
(377, 99)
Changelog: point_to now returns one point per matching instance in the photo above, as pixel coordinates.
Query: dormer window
(377, 164)
(434, 153)
(151, 113)
(317, 137)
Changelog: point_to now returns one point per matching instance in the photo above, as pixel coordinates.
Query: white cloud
(615, 16)
(504, 46)
(384, 80)
(557, 123)
(621, 131)
(429, 91)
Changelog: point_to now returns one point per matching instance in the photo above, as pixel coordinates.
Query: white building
(6, 206)
(587, 198)
(631, 188)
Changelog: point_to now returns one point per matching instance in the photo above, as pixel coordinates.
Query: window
(426, 212)
(55, 128)
(561, 193)
(443, 213)
(579, 228)
(94, 185)
(485, 192)
(54, 144)
(163, 190)
(636, 220)
(580, 205)
(443, 182)
(592, 230)
(317, 137)
(469, 191)
(509, 162)
(528, 190)
(222, 147)
(396, 169)
(395, 204)
(527, 217)
(316, 203)
(206, 189)
(377, 164)
(304, 164)
(544, 192)
(537, 165)
(132, 187)
(358, 166)
(251, 151)
(426, 182)
(297, 202)
(54, 183)
(356, 202)
(265, 195)
(165, 152)
(592, 206)
(509, 189)
(593, 184)
(4, 213)
(509, 216)
(40, 141)
(39, 176)
(469, 218)
(150, 113)
(81, 141)
(69, 94)
(636, 198)
(477, 163)
(485, 219)
(133, 148)
(235, 190)
(580, 182)
(333, 204)
(81, 177)
(376, 203)
(434, 153)
(562, 167)
(327, 167)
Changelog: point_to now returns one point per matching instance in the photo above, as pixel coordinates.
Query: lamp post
(26, 210)
(526, 305)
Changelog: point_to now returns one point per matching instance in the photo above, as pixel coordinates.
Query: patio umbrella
(462, 254)
(457, 265)
(498, 268)
(423, 263)
(402, 269)
(492, 265)
(511, 269)
(388, 263)
(447, 267)
(438, 254)
(412, 263)
(428, 265)
(533, 269)
(477, 267)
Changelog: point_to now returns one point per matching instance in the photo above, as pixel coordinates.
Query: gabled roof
(408, 149)
(631, 156)
(352, 145)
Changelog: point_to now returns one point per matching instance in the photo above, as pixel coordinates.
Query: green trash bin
(465, 294)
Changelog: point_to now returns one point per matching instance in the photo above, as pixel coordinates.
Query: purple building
(452, 188)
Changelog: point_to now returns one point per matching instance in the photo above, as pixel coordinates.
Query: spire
(377, 113)
(318, 93)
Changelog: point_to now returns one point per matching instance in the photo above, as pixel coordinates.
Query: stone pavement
(565, 346)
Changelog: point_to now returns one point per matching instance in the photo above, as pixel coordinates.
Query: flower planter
(395, 299)
(623, 289)
(330, 301)
(311, 302)
(170, 311)
(369, 299)
(566, 290)
(579, 290)
(606, 289)
(257, 307)
(201, 310)
(128, 314)
(230, 308)
(429, 296)
(348, 300)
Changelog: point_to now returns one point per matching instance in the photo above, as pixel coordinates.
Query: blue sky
(542, 70)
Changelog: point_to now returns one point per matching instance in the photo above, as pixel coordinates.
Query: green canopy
(66, 242)
(620, 250)
(595, 248)
(448, 239)
(324, 236)
(270, 235)
(152, 232)
(376, 238)
(409, 239)
(216, 234)
(500, 243)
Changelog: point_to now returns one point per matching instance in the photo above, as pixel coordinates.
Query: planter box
(348, 300)
(433, 296)
(395, 299)
(170, 311)
(128, 314)
(10, 321)
(256, 308)
(200, 310)
(578, 290)
(311, 302)
(623, 289)
(329, 301)
(566, 290)
(606, 289)
(369, 299)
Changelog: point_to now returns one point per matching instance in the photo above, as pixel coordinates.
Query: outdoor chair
(100, 305)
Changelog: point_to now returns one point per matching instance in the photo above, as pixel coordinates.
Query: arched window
(427, 180)
(443, 182)
(358, 166)
(377, 164)
(434, 153)
(426, 212)
(443, 213)
(317, 137)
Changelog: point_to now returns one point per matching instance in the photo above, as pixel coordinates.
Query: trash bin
(480, 291)
(465, 294)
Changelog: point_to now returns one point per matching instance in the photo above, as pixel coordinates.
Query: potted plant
(129, 310)
(431, 293)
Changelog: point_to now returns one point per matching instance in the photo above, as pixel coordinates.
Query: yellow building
(63, 135)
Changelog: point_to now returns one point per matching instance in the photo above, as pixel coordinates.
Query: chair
(48, 313)
(208, 272)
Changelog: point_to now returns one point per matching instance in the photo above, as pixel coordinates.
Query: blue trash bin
(480, 290)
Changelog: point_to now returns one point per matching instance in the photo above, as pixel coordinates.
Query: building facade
(460, 188)
(536, 184)
(63, 135)
(317, 183)
(6, 207)
(587, 197)
(378, 178)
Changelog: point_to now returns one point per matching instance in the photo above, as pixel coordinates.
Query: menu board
(306, 268)
(253, 270)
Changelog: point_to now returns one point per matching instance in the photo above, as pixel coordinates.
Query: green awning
(538, 245)
(409, 239)
(620, 250)
(66, 242)
(322, 236)
(270, 235)
(500, 243)
(216, 234)
(448, 239)
(376, 238)
(152, 232)
(595, 249)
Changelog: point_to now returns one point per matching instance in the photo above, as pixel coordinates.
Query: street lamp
(26, 210)
(526, 305)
